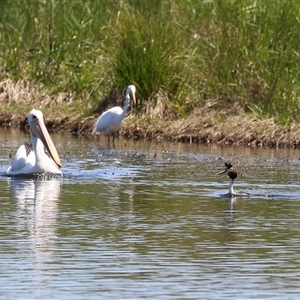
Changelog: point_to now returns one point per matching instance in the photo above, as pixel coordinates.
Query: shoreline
(203, 125)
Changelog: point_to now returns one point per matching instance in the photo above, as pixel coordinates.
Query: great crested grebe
(110, 121)
(232, 174)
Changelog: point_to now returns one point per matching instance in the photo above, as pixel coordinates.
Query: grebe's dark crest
(232, 174)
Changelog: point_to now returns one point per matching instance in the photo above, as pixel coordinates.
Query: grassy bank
(79, 55)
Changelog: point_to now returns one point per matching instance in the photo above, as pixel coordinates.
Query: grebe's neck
(231, 191)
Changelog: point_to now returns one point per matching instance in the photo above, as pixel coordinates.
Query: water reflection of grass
(184, 52)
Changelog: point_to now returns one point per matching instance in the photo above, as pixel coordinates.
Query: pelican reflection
(37, 210)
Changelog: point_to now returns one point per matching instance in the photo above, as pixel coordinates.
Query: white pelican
(232, 174)
(41, 155)
(110, 121)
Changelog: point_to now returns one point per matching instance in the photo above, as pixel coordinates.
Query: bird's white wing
(24, 156)
(109, 121)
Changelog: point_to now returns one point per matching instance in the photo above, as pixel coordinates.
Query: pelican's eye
(34, 118)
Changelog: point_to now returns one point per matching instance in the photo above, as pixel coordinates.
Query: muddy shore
(205, 125)
(226, 124)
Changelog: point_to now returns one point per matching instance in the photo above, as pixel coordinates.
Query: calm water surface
(146, 220)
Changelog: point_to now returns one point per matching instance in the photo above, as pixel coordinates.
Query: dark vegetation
(181, 55)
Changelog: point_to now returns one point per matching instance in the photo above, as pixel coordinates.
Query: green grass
(244, 51)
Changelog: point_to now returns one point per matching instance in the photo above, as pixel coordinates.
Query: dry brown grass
(22, 94)
(210, 123)
(159, 106)
(16, 92)
(215, 124)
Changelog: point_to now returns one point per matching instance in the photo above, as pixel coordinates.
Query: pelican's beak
(39, 130)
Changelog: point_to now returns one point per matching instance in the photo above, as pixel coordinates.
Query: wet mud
(212, 123)
(201, 126)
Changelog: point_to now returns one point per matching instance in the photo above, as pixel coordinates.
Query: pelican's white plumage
(41, 155)
(110, 121)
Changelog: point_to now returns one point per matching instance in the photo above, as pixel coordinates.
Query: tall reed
(191, 52)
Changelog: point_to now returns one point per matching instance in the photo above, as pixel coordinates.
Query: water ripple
(147, 221)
